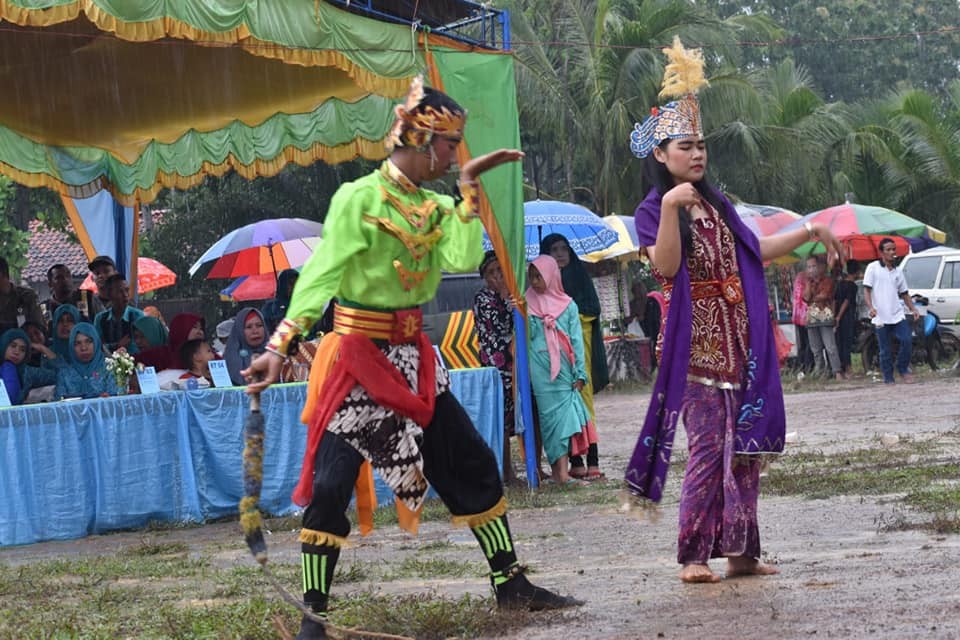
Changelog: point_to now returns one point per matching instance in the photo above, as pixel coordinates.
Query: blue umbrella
(585, 231)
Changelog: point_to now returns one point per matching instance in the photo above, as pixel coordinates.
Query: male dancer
(377, 392)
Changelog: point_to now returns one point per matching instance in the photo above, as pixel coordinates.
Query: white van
(935, 274)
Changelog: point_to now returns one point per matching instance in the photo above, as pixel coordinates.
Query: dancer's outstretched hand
(262, 372)
(475, 166)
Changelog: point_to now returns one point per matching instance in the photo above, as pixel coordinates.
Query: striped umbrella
(764, 220)
(861, 227)
(267, 246)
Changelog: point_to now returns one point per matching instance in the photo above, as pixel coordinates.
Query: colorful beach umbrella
(626, 247)
(151, 275)
(264, 247)
(765, 220)
(861, 227)
(258, 287)
(585, 231)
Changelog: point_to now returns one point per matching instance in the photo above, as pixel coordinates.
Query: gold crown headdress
(682, 78)
(415, 125)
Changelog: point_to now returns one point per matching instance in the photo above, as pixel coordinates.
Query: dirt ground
(843, 576)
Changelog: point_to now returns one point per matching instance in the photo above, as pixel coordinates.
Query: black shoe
(311, 630)
(519, 593)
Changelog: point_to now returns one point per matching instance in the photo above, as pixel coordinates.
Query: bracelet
(285, 336)
(811, 234)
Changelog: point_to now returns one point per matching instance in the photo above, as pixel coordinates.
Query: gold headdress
(416, 125)
(682, 78)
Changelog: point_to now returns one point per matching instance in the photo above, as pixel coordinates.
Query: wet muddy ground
(844, 572)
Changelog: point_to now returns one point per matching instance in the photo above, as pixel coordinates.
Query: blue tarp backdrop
(70, 469)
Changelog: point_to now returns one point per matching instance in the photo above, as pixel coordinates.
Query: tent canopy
(136, 95)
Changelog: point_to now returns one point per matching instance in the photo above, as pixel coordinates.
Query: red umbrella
(151, 275)
(259, 287)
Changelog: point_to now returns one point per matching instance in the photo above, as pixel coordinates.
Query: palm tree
(579, 101)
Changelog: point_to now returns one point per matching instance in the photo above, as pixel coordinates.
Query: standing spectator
(17, 304)
(275, 310)
(578, 285)
(557, 368)
(493, 318)
(248, 339)
(804, 354)
(85, 375)
(62, 291)
(102, 267)
(818, 293)
(883, 288)
(115, 323)
(846, 322)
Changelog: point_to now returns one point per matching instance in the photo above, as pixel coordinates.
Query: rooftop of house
(48, 248)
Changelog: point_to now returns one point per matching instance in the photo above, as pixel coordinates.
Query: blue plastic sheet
(70, 469)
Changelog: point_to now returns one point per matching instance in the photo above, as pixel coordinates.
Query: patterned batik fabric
(718, 501)
(720, 330)
(390, 442)
(494, 323)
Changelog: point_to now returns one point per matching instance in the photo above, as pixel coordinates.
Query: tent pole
(526, 403)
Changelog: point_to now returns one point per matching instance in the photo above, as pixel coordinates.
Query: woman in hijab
(557, 368)
(578, 285)
(183, 327)
(85, 375)
(248, 338)
(149, 332)
(17, 375)
(64, 319)
(275, 310)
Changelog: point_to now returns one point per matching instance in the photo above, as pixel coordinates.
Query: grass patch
(428, 616)
(417, 567)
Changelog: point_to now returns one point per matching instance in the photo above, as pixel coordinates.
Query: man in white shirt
(883, 288)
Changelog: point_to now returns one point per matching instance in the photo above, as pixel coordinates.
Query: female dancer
(718, 359)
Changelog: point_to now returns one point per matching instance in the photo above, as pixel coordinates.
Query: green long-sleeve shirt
(384, 247)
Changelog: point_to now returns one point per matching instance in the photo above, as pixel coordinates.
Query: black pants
(456, 461)
(804, 355)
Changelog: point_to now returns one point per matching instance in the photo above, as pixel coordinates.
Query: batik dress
(494, 323)
(718, 503)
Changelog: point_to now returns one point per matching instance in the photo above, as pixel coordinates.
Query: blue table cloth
(70, 469)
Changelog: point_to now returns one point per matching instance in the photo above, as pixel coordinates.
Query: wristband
(811, 234)
(470, 206)
(283, 337)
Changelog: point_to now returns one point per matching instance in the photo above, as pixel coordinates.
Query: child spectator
(248, 338)
(183, 327)
(557, 368)
(115, 324)
(195, 357)
(85, 375)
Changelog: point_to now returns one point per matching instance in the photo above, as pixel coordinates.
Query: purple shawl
(761, 422)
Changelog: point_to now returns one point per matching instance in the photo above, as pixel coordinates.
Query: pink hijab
(548, 306)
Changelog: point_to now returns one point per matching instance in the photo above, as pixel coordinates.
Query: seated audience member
(39, 343)
(154, 312)
(85, 375)
(195, 357)
(248, 338)
(17, 304)
(183, 327)
(149, 332)
(222, 335)
(115, 324)
(275, 310)
(64, 319)
(18, 376)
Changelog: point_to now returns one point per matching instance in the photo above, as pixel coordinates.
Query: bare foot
(697, 574)
(740, 566)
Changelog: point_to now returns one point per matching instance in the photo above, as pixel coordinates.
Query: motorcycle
(932, 342)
